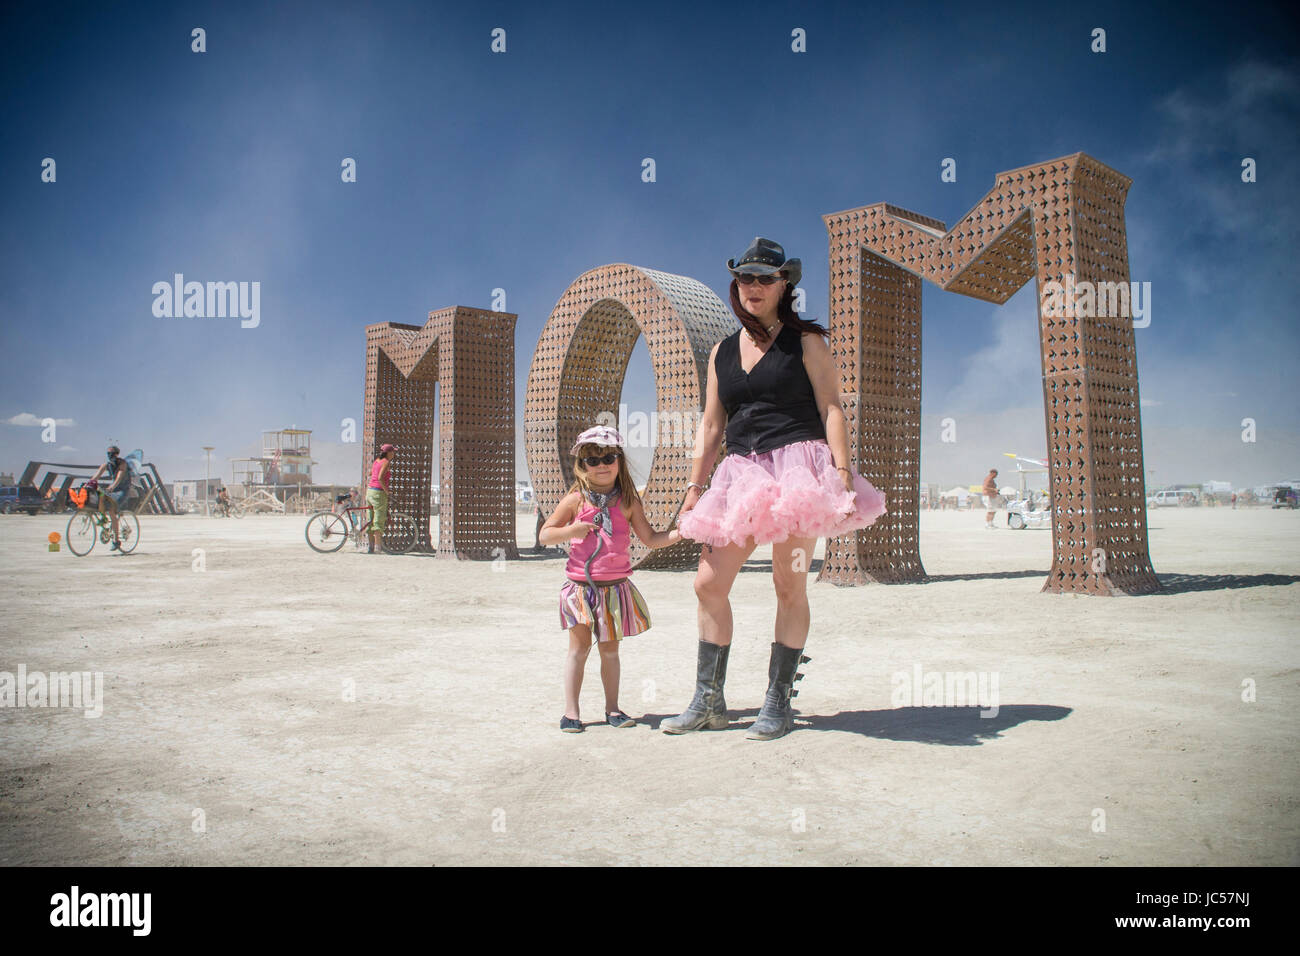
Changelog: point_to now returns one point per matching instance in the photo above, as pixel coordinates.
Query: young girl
(599, 597)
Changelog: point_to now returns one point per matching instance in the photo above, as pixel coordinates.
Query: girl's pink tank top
(613, 562)
(375, 480)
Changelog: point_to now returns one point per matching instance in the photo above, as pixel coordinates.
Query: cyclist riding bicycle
(223, 501)
(119, 488)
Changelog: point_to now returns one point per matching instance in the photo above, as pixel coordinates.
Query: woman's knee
(791, 590)
(709, 588)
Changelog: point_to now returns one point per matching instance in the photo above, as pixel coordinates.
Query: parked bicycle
(89, 524)
(328, 531)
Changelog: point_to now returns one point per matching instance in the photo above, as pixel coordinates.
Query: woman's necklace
(767, 328)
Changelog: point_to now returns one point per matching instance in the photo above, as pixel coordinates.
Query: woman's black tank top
(774, 404)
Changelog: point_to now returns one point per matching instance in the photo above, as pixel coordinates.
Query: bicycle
(328, 531)
(90, 524)
(231, 509)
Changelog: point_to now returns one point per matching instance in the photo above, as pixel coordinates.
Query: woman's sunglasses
(591, 461)
(748, 278)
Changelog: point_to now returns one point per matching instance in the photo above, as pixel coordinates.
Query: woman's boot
(776, 719)
(708, 709)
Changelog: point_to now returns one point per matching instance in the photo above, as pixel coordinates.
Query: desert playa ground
(285, 707)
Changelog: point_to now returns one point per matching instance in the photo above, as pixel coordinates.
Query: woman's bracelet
(695, 484)
(843, 468)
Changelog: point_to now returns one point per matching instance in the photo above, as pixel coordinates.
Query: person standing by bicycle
(118, 475)
(377, 495)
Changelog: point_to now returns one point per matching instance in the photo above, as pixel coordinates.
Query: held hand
(580, 529)
(847, 478)
(692, 496)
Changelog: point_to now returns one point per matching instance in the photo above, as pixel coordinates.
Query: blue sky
(522, 170)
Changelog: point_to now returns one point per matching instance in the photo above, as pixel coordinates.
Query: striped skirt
(613, 610)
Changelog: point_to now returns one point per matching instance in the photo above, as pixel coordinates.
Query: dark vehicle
(21, 498)
(1285, 496)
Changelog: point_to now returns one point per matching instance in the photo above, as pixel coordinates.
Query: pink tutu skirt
(793, 491)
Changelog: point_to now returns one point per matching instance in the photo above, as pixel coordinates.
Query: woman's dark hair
(784, 311)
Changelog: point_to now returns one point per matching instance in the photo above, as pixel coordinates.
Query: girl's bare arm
(558, 528)
(649, 536)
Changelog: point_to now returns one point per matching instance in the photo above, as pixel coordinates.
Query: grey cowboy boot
(708, 709)
(776, 719)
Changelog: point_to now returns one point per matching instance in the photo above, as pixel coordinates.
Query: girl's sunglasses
(591, 461)
(748, 278)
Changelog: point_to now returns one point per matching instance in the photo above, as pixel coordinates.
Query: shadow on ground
(816, 566)
(986, 575)
(765, 566)
(952, 726)
(1182, 583)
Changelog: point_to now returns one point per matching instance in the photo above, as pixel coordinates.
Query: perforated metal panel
(578, 370)
(470, 355)
(1046, 221)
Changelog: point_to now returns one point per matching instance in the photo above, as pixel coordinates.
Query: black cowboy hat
(764, 257)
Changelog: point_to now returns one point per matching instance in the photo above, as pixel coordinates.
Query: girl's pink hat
(602, 435)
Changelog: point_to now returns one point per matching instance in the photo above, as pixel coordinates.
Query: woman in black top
(773, 392)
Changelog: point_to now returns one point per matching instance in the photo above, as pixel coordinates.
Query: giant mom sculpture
(1060, 222)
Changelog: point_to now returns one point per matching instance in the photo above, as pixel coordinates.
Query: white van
(1173, 499)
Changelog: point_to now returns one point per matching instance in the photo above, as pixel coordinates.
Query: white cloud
(1007, 371)
(983, 439)
(1247, 113)
(1234, 112)
(336, 463)
(32, 421)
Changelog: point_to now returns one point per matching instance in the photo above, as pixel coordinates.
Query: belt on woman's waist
(601, 584)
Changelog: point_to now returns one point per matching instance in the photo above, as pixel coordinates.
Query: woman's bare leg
(713, 581)
(790, 561)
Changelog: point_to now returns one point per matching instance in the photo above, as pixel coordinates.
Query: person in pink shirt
(598, 598)
(377, 495)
